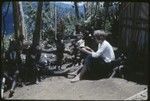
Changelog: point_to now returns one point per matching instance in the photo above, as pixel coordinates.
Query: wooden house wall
(134, 32)
(134, 26)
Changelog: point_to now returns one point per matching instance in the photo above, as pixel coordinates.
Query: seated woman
(95, 61)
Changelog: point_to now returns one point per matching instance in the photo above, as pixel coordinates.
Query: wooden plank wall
(134, 26)
(134, 33)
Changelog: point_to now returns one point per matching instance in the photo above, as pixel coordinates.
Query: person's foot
(37, 82)
(2, 93)
(11, 93)
(77, 78)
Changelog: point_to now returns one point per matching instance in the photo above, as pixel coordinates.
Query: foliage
(103, 18)
(29, 16)
(96, 11)
(5, 42)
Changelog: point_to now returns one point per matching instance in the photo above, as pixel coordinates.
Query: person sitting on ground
(80, 44)
(73, 52)
(15, 61)
(95, 61)
(77, 56)
(33, 57)
(60, 47)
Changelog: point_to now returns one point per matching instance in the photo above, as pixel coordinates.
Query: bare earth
(60, 88)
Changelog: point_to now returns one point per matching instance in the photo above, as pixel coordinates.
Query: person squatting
(95, 61)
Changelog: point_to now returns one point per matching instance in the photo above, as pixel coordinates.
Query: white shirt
(106, 51)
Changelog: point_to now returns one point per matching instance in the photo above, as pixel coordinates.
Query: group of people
(83, 52)
(93, 61)
(12, 64)
(19, 64)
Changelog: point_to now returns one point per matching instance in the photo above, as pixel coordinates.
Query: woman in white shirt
(95, 60)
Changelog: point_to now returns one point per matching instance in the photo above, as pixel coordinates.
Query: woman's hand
(86, 50)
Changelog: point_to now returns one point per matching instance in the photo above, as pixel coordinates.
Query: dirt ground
(60, 88)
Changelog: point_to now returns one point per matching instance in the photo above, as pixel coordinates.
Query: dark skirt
(94, 68)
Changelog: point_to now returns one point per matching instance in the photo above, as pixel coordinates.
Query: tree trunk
(18, 22)
(106, 6)
(36, 33)
(76, 11)
(16, 19)
(1, 3)
(85, 11)
(96, 8)
(88, 9)
(95, 14)
(22, 21)
(2, 29)
(92, 8)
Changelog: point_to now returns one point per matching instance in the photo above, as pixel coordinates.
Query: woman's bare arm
(86, 50)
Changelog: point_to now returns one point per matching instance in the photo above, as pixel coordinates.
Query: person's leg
(57, 65)
(85, 69)
(76, 72)
(75, 59)
(12, 88)
(36, 74)
(61, 73)
(81, 58)
(14, 83)
(21, 74)
(59, 62)
(100, 68)
(92, 67)
(3, 86)
(84, 73)
(77, 78)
